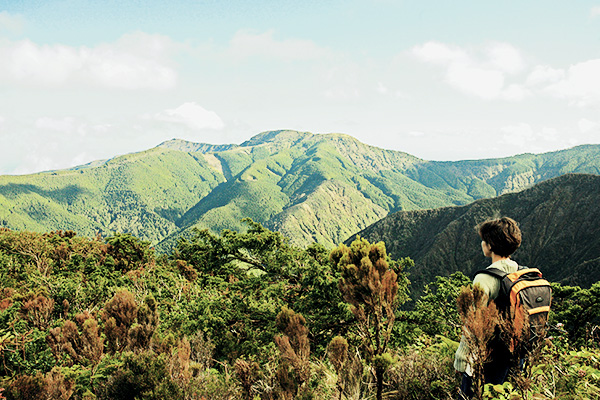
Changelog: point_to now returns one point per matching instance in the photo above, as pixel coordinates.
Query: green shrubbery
(248, 316)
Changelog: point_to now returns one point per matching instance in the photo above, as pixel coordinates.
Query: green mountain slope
(311, 187)
(559, 218)
(142, 193)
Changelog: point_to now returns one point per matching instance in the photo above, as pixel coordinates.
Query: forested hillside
(559, 218)
(312, 188)
(245, 316)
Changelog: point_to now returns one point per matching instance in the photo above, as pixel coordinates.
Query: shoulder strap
(502, 300)
(498, 273)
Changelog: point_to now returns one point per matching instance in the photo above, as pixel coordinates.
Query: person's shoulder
(487, 281)
(507, 265)
(483, 279)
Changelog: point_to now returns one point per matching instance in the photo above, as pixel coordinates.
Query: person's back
(500, 239)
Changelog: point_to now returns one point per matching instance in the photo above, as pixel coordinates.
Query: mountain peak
(279, 136)
(192, 147)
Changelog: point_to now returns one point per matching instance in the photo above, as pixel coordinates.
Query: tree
(235, 254)
(248, 276)
(579, 311)
(80, 340)
(128, 252)
(435, 312)
(119, 314)
(370, 284)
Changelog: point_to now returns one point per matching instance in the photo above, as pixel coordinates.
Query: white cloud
(440, 53)
(248, 43)
(11, 22)
(595, 11)
(587, 126)
(484, 83)
(136, 61)
(82, 158)
(493, 73)
(515, 92)
(193, 116)
(505, 57)
(342, 82)
(381, 88)
(543, 74)
(482, 74)
(580, 84)
(33, 163)
(102, 128)
(66, 124)
(341, 93)
(518, 135)
(523, 137)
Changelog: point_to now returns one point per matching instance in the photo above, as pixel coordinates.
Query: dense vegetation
(297, 183)
(558, 217)
(250, 316)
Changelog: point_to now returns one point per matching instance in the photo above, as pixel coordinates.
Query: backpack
(523, 294)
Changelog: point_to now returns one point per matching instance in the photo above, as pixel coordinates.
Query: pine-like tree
(119, 314)
(294, 349)
(370, 285)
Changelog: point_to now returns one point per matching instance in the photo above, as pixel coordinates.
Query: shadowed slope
(559, 218)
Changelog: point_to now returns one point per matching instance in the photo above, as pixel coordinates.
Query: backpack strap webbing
(498, 273)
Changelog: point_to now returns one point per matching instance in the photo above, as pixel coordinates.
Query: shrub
(143, 376)
(118, 315)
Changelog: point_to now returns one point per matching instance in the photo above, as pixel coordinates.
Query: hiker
(500, 238)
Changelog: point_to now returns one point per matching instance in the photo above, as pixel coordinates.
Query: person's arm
(490, 286)
(462, 353)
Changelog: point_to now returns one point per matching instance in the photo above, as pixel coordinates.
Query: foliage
(424, 370)
(559, 373)
(78, 342)
(296, 182)
(480, 320)
(247, 278)
(558, 218)
(232, 253)
(370, 285)
(579, 311)
(127, 252)
(435, 312)
(53, 385)
(118, 315)
(143, 375)
(93, 318)
(294, 349)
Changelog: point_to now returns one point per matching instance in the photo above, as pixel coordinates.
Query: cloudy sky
(443, 80)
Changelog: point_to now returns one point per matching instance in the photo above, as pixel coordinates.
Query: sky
(442, 80)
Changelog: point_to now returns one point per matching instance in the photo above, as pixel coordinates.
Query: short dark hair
(502, 235)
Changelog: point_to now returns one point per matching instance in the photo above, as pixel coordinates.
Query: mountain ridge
(558, 217)
(311, 187)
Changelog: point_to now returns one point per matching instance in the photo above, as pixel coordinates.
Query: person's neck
(496, 257)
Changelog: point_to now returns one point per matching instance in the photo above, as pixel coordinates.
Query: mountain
(142, 193)
(311, 187)
(559, 220)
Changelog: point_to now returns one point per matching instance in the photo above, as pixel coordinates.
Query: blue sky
(87, 80)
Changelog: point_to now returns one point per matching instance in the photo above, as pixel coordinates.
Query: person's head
(502, 236)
